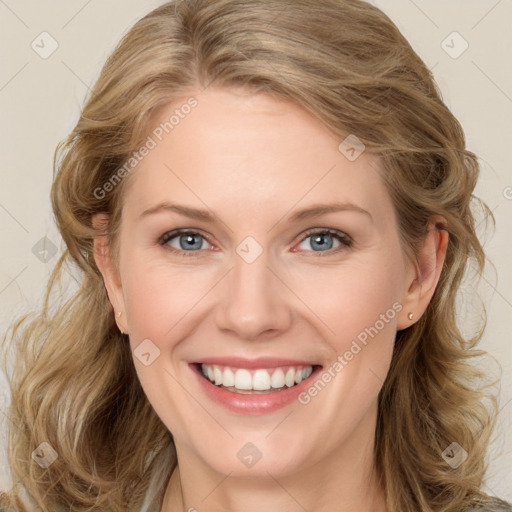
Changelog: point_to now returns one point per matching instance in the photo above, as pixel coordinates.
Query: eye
(321, 239)
(190, 241)
(187, 240)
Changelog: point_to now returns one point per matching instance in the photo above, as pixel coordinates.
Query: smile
(243, 380)
(253, 387)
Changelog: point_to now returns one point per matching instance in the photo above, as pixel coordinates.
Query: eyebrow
(315, 210)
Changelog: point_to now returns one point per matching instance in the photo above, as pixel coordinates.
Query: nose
(255, 301)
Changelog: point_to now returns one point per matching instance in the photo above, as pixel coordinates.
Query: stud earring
(119, 313)
(410, 316)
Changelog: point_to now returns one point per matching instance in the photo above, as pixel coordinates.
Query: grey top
(495, 505)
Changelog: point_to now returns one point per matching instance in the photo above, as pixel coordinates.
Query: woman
(270, 205)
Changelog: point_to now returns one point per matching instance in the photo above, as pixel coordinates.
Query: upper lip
(254, 363)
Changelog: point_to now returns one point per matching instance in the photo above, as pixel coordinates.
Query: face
(230, 271)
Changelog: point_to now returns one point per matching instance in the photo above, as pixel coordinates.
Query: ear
(108, 269)
(422, 276)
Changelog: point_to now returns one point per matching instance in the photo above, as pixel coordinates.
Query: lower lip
(253, 404)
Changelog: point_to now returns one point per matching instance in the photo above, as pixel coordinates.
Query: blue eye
(190, 242)
(319, 237)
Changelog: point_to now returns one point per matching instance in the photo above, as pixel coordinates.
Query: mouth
(254, 388)
(255, 381)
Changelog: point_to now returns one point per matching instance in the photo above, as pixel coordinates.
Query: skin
(253, 161)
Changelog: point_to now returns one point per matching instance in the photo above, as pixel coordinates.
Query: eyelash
(346, 241)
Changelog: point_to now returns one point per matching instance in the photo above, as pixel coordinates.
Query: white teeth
(258, 380)
(243, 379)
(228, 378)
(217, 374)
(290, 377)
(261, 380)
(277, 380)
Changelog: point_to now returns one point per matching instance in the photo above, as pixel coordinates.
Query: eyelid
(331, 231)
(169, 235)
(345, 240)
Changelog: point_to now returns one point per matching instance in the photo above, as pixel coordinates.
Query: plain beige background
(40, 100)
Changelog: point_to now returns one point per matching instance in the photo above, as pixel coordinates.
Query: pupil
(190, 241)
(318, 240)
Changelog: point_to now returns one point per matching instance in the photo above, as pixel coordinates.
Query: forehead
(247, 150)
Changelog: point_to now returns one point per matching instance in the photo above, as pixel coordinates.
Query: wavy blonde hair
(74, 383)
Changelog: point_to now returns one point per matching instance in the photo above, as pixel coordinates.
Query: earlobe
(107, 267)
(423, 280)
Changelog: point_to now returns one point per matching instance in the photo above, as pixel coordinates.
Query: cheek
(159, 299)
(352, 297)
(360, 308)
(159, 295)
(358, 305)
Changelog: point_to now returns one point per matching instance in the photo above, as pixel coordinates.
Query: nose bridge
(254, 300)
